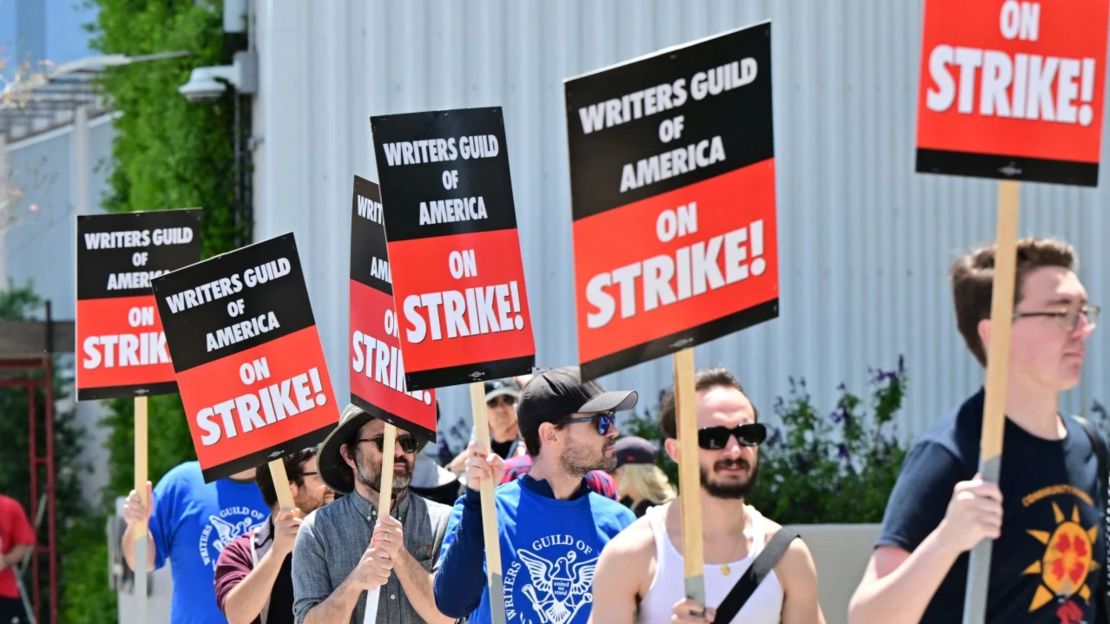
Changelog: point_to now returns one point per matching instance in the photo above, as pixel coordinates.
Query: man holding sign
(551, 526)
(345, 554)
(639, 576)
(254, 581)
(190, 524)
(1046, 513)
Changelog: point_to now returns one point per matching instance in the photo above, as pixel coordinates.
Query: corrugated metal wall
(865, 242)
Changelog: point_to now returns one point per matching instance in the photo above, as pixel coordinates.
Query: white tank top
(667, 588)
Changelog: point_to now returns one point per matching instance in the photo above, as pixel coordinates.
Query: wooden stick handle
(489, 511)
(994, 408)
(385, 496)
(689, 477)
(141, 459)
(281, 483)
(141, 475)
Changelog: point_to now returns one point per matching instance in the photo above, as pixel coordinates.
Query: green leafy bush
(834, 467)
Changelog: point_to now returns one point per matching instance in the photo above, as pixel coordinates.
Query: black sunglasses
(716, 438)
(604, 421)
(504, 399)
(408, 444)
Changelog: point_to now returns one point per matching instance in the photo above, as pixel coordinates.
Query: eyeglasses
(1067, 318)
(716, 438)
(501, 400)
(408, 444)
(604, 421)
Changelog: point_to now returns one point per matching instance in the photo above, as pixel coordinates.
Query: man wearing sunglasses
(1045, 514)
(640, 575)
(551, 526)
(504, 430)
(345, 554)
(254, 581)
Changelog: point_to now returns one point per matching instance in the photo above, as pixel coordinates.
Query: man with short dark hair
(640, 575)
(253, 574)
(551, 526)
(1046, 513)
(346, 554)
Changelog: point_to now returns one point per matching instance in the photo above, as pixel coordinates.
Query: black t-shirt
(1045, 565)
(502, 449)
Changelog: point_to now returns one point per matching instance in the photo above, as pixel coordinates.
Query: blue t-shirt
(549, 549)
(191, 523)
(1045, 565)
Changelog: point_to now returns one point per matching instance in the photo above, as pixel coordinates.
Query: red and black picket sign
(249, 364)
(1012, 89)
(673, 194)
(121, 348)
(454, 250)
(376, 366)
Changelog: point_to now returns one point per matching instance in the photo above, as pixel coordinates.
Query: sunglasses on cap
(716, 438)
(408, 444)
(604, 421)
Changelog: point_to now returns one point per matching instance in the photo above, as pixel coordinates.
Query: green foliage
(167, 153)
(19, 303)
(838, 467)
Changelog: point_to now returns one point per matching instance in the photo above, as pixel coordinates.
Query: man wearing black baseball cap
(551, 527)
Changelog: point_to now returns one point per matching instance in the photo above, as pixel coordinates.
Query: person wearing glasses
(253, 574)
(504, 431)
(1045, 513)
(551, 526)
(347, 557)
(640, 574)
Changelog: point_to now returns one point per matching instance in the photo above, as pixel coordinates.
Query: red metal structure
(27, 351)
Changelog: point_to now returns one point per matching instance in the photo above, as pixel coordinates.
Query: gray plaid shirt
(331, 541)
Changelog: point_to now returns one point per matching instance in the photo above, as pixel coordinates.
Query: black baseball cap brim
(613, 400)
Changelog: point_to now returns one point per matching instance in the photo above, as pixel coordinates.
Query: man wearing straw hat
(640, 575)
(1046, 513)
(345, 554)
(551, 526)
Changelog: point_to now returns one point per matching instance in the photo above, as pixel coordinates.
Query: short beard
(576, 464)
(373, 480)
(731, 490)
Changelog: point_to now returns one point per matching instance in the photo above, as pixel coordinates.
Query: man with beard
(551, 526)
(346, 556)
(253, 574)
(640, 574)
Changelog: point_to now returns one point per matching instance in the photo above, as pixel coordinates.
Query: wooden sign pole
(141, 555)
(998, 357)
(385, 502)
(689, 476)
(281, 484)
(489, 512)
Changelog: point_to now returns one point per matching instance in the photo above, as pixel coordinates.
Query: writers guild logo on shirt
(220, 530)
(557, 582)
(1063, 569)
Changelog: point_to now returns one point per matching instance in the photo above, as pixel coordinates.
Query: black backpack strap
(1099, 444)
(764, 563)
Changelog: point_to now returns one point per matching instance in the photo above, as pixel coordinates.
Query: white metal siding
(865, 241)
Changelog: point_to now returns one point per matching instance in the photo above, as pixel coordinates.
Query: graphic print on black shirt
(1045, 565)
